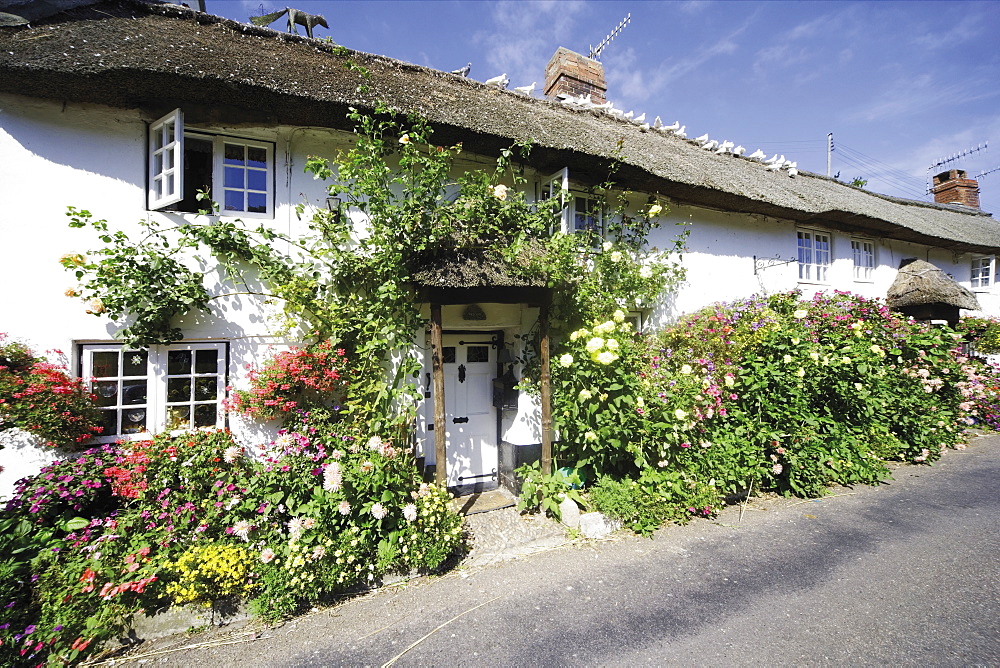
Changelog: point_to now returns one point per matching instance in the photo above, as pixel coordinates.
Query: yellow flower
(580, 333)
(612, 344)
(590, 436)
(566, 360)
(616, 256)
(405, 139)
(618, 316)
(500, 192)
(95, 306)
(679, 414)
(786, 359)
(595, 344)
(814, 356)
(585, 394)
(686, 369)
(801, 372)
(72, 292)
(655, 210)
(801, 313)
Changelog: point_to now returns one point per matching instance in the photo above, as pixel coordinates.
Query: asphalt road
(907, 573)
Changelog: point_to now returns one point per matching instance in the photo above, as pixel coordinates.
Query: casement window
(814, 255)
(161, 388)
(864, 259)
(984, 271)
(581, 212)
(558, 185)
(587, 215)
(238, 173)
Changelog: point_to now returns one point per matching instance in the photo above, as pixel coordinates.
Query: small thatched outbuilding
(925, 292)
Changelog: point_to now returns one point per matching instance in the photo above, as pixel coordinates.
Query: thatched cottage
(82, 91)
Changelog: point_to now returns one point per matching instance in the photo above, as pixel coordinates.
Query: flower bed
(775, 393)
(192, 520)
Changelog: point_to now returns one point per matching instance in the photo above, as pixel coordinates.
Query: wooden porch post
(546, 380)
(437, 371)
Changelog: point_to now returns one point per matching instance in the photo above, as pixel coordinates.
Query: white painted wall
(55, 155)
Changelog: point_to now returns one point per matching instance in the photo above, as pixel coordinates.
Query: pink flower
(410, 512)
(379, 511)
(344, 508)
(367, 466)
(267, 555)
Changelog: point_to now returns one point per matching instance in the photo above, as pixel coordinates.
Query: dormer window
(237, 173)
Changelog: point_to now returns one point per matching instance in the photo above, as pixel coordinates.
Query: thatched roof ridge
(131, 54)
(920, 282)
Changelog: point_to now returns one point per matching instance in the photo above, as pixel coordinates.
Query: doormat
(482, 502)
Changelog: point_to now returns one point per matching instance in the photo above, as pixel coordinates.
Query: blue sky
(901, 85)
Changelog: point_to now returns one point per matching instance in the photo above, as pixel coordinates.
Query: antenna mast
(987, 171)
(595, 52)
(952, 158)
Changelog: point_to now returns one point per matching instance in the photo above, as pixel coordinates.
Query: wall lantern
(333, 204)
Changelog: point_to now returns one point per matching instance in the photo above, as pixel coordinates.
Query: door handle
(460, 420)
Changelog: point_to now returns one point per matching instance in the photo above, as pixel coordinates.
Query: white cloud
(970, 27)
(522, 36)
(916, 96)
(639, 84)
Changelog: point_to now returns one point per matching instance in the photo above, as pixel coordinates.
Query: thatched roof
(130, 54)
(921, 282)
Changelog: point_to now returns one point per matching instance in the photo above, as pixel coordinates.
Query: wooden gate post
(546, 388)
(437, 371)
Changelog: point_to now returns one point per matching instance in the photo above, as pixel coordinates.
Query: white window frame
(983, 272)
(166, 167)
(156, 406)
(558, 182)
(596, 213)
(166, 160)
(814, 263)
(863, 254)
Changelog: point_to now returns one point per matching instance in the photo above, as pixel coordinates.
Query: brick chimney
(954, 187)
(571, 73)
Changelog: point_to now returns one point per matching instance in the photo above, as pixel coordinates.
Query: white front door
(470, 365)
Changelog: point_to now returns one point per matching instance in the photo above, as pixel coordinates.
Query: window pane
(206, 361)
(205, 415)
(234, 177)
(234, 200)
(105, 364)
(106, 392)
(478, 354)
(135, 363)
(257, 157)
(179, 417)
(134, 392)
(178, 362)
(234, 154)
(205, 389)
(178, 389)
(448, 355)
(257, 202)
(256, 179)
(109, 420)
(133, 420)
